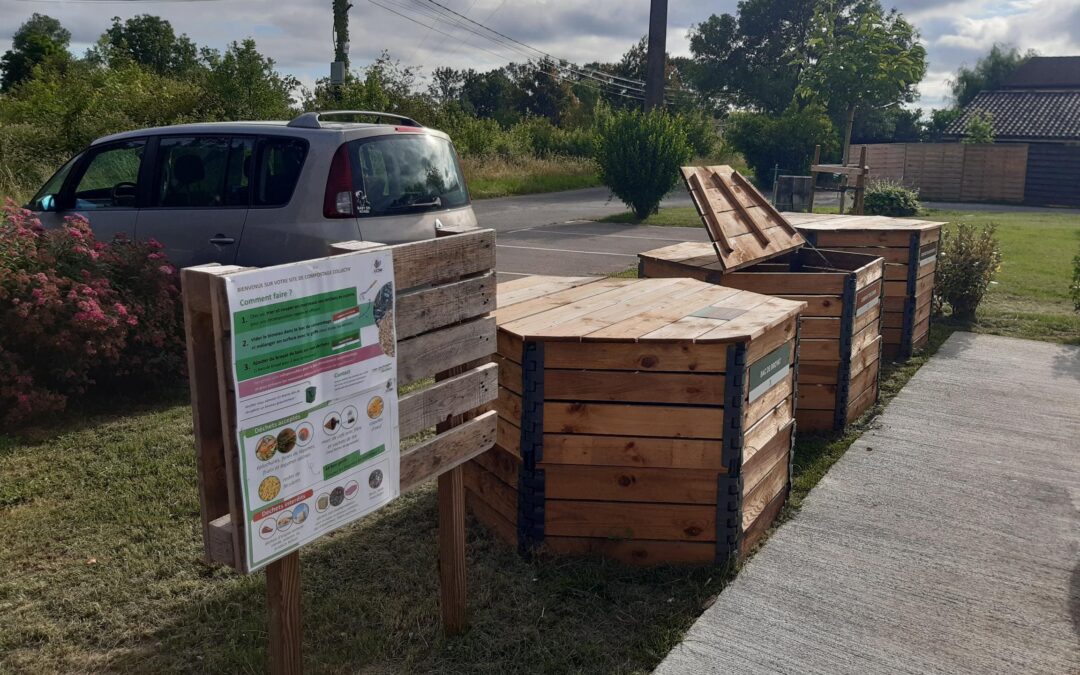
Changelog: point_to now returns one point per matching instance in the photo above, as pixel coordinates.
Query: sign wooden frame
(445, 289)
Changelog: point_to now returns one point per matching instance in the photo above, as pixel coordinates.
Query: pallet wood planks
(626, 413)
(909, 247)
(842, 290)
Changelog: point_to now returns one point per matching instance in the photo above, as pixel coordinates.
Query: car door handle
(222, 240)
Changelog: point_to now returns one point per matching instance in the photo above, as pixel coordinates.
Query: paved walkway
(946, 540)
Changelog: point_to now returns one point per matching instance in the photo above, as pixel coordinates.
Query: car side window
(238, 172)
(191, 172)
(277, 168)
(110, 179)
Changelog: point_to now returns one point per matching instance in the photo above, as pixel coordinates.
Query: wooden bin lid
(832, 222)
(586, 309)
(744, 227)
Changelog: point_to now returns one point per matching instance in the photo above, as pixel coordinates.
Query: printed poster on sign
(315, 369)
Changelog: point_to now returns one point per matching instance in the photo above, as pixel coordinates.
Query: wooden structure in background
(953, 171)
(859, 172)
(629, 423)
(445, 290)
(909, 247)
(840, 341)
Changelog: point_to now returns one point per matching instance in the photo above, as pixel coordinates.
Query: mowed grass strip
(1030, 296)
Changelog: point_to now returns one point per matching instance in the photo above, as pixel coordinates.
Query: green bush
(786, 141)
(890, 198)
(968, 259)
(639, 154)
(700, 131)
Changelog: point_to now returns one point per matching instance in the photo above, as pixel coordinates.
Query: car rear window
(277, 168)
(406, 173)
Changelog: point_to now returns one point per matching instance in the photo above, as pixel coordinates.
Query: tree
(979, 128)
(541, 90)
(753, 59)
(38, 40)
(242, 84)
(989, 72)
(894, 124)
(940, 120)
(489, 95)
(860, 57)
(149, 41)
(446, 85)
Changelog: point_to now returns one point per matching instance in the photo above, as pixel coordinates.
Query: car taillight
(338, 202)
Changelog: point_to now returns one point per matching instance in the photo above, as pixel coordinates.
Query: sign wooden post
(444, 289)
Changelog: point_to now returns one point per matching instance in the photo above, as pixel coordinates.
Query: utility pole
(341, 32)
(655, 74)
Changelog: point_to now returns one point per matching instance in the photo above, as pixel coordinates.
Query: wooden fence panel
(994, 173)
(954, 171)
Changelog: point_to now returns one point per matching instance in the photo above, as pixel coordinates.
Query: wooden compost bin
(755, 248)
(909, 248)
(646, 420)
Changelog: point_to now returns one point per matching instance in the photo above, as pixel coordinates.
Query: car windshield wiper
(436, 202)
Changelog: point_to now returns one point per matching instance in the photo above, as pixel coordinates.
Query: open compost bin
(646, 420)
(909, 247)
(755, 248)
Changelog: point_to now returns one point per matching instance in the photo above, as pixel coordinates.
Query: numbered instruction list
(316, 397)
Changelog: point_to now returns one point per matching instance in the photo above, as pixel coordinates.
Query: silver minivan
(263, 193)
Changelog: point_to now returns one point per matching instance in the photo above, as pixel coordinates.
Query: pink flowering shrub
(75, 313)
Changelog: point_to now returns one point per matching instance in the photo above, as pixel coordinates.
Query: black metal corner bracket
(847, 335)
(794, 402)
(907, 331)
(729, 486)
(530, 525)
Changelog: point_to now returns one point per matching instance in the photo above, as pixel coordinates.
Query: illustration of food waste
(315, 372)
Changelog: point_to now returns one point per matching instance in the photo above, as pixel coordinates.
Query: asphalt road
(554, 233)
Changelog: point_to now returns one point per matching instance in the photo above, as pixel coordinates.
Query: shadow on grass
(95, 409)
(370, 605)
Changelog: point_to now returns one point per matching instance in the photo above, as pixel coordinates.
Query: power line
(638, 84)
(507, 42)
(429, 12)
(501, 56)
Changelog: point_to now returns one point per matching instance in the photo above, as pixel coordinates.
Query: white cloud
(297, 35)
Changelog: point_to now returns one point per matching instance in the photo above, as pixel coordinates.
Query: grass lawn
(489, 177)
(1030, 298)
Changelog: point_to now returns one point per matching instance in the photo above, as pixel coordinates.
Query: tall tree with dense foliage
(39, 39)
(988, 73)
(243, 84)
(861, 57)
(753, 59)
(149, 41)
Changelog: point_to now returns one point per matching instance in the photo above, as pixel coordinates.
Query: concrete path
(946, 540)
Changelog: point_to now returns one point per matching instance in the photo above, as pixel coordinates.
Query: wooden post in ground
(860, 183)
(283, 601)
(452, 550)
(813, 177)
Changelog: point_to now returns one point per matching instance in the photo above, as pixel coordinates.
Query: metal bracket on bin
(847, 335)
(530, 525)
(794, 404)
(907, 332)
(729, 486)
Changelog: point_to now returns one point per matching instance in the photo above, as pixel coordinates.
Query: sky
(297, 33)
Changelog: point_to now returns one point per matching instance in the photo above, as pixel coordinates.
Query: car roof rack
(313, 120)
